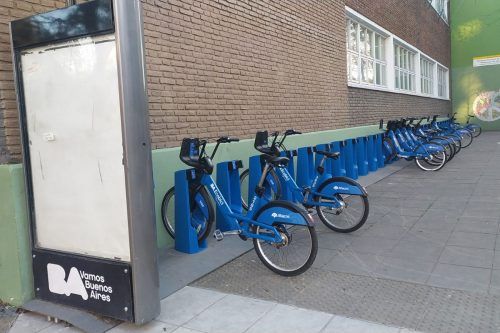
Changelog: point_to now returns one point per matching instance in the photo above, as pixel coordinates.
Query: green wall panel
(474, 30)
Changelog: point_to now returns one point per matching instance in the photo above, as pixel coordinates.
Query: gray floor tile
(29, 323)
(372, 244)
(346, 325)
(334, 241)
(480, 225)
(460, 277)
(472, 239)
(324, 256)
(496, 260)
(151, 327)
(438, 238)
(284, 318)
(386, 230)
(434, 226)
(411, 270)
(232, 314)
(354, 263)
(186, 330)
(423, 250)
(186, 304)
(467, 256)
(495, 282)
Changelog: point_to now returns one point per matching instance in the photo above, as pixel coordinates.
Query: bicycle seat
(262, 144)
(277, 161)
(190, 155)
(329, 154)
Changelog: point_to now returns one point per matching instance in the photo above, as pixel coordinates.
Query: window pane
(354, 71)
(362, 40)
(353, 39)
(369, 41)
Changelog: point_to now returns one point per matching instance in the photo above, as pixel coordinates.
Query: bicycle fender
(279, 211)
(343, 185)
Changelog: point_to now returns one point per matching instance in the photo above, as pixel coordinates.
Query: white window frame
(442, 82)
(427, 69)
(441, 7)
(391, 41)
(404, 68)
(379, 78)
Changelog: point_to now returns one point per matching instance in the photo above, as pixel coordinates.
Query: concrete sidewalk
(195, 310)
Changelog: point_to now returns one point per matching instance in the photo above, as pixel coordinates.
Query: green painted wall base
(16, 285)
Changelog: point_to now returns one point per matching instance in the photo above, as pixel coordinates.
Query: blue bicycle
(341, 203)
(283, 234)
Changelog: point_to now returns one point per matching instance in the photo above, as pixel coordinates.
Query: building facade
(237, 66)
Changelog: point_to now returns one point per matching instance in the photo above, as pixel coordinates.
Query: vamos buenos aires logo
(79, 282)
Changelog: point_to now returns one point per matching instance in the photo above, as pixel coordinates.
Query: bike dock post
(361, 155)
(228, 182)
(351, 165)
(339, 163)
(379, 150)
(286, 191)
(186, 238)
(372, 153)
(305, 166)
(255, 167)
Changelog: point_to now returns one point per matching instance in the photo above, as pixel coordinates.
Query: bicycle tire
(311, 256)
(328, 223)
(275, 196)
(170, 224)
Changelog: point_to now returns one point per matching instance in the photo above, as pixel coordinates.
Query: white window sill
(394, 91)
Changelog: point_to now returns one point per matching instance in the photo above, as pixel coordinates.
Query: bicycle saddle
(277, 161)
(262, 144)
(190, 155)
(329, 154)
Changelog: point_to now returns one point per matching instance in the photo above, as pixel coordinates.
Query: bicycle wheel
(348, 218)
(203, 217)
(476, 131)
(297, 252)
(273, 192)
(389, 150)
(467, 138)
(434, 162)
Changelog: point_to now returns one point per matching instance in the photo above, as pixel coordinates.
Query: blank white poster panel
(74, 127)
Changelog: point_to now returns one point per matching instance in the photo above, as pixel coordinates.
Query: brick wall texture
(237, 66)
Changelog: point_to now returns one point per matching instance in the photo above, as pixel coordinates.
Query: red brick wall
(369, 106)
(10, 141)
(236, 67)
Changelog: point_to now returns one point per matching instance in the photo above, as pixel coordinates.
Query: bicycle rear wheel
(202, 217)
(297, 252)
(273, 191)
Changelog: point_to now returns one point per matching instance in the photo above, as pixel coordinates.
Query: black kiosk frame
(127, 287)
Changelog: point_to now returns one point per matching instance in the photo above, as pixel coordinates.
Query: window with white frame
(366, 62)
(380, 60)
(404, 68)
(427, 76)
(442, 79)
(441, 7)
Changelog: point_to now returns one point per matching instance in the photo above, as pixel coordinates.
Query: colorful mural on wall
(475, 70)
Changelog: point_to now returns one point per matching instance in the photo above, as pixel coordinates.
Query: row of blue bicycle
(272, 204)
(432, 145)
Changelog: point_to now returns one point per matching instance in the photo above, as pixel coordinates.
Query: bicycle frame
(306, 196)
(241, 224)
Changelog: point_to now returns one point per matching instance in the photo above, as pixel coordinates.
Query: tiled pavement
(428, 258)
(195, 310)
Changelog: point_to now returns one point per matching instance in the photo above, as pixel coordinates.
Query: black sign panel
(89, 18)
(96, 285)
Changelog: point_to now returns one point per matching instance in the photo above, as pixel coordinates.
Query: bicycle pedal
(218, 235)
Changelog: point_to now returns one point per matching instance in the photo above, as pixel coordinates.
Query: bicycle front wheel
(434, 162)
(202, 213)
(295, 254)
